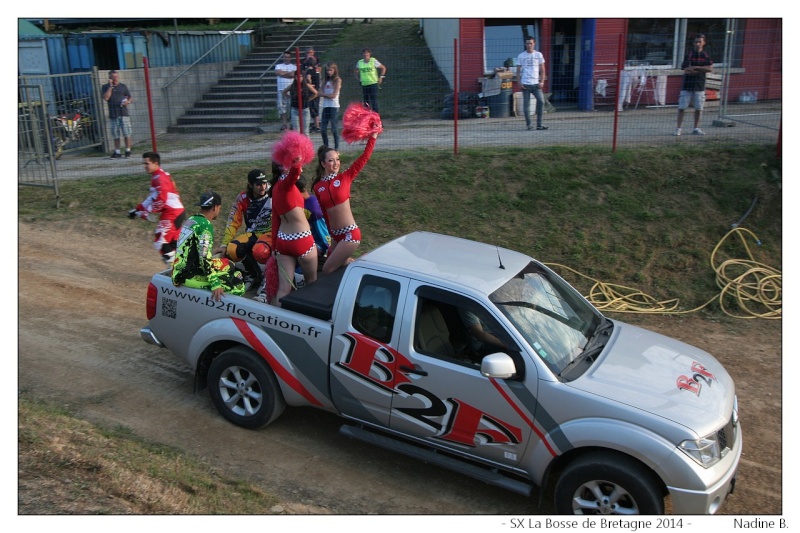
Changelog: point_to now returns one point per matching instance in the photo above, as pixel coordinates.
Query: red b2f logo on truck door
(462, 423)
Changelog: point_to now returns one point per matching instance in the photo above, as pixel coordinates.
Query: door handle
(413, 370)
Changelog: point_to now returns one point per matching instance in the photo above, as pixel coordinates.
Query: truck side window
(375, 307)
(441, 332)
(451, 327)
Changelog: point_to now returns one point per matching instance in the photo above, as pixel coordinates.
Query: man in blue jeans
(530, 73)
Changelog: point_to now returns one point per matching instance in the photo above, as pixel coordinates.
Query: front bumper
(709, 501)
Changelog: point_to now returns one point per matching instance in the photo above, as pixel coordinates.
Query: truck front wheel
(244, 389)
(607, 483)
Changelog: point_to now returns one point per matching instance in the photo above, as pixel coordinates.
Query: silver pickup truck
(478, 359)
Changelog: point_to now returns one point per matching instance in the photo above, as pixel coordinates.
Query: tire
(244, 389)
(607, 483)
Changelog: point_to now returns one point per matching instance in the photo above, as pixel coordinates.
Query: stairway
(240, 100)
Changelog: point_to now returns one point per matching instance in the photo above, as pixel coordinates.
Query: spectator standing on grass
(195, 266)
(119, 98)
(329, 93)
(370, 73)
(696, 65)
(163, 201)
(285, 72)
(531, 75)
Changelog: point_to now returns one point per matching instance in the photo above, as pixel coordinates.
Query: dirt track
(79, 318)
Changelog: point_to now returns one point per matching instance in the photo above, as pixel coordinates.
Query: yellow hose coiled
(755, 287)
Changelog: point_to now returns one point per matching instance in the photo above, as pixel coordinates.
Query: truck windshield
(550, 314)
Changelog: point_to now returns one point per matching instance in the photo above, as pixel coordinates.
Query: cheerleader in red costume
(291, 232)
(333, 189)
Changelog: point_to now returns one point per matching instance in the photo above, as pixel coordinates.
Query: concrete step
(238, 101)
(254, 94)
(214, 128)
(219, 120)
(228, 110)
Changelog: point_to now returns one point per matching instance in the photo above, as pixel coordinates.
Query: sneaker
(127, 154)
(698, 131)
(283, 127)
(168, 258)
(677, 132)
(261, 297)
(542, 128)
(530, 127)
(116, 155)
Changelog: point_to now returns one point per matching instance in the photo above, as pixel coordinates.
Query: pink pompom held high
(359, 122)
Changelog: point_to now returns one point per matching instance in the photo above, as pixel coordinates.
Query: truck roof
(479, 266)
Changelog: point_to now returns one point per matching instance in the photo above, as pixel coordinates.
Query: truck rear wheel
(607, 483)
(244, 389)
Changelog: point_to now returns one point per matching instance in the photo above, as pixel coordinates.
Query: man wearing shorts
(119, 98)
(696, 65)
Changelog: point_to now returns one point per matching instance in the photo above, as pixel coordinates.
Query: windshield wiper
(587, 356)
(603, 329)
(593, 348)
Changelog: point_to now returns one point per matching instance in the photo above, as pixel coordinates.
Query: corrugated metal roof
(28, 29)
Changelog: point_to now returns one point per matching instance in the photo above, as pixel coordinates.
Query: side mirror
(498, 365)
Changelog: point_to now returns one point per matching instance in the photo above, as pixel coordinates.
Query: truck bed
(317, 299)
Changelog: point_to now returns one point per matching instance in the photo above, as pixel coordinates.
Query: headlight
(706, 452)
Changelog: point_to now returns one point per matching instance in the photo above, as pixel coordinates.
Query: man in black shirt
(696, 65)
(119, 98)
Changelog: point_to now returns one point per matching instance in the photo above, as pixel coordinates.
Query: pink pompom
(359, 122)
(294, 148)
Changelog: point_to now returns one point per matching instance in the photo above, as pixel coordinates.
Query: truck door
(440, 394)
(364, 355)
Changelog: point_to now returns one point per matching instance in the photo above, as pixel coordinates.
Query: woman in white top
(331, 86)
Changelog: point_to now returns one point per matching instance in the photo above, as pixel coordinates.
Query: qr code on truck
(169, 308)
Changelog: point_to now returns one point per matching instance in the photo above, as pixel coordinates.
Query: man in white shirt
(285, 72)
(530, 73)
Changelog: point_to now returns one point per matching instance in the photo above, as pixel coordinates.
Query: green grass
(111, 471)
(649, 218)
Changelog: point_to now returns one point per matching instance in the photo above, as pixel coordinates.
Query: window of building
(504, 39)
(665, 42)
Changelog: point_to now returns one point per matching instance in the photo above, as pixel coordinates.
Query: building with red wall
(747, 54)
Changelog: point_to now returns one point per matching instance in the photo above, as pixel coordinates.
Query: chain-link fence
(623, 95)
